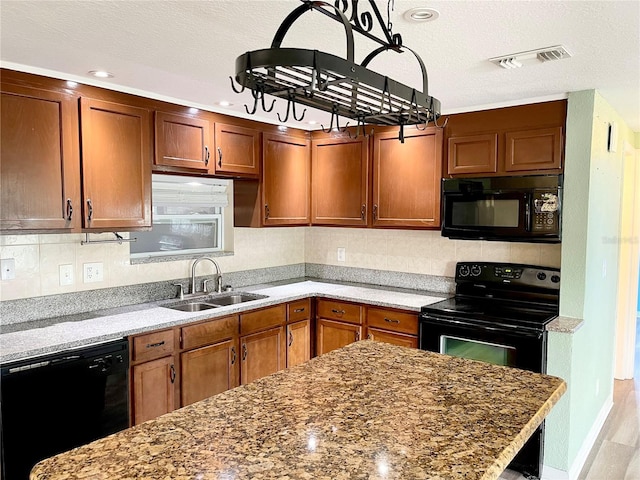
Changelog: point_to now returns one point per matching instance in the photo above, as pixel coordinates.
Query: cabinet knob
(69, 209)
(89, 209)
(219, 157)
(207, 154)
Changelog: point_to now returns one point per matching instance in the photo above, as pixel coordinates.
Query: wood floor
(616, 452)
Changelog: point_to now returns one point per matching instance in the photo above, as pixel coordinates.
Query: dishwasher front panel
(58, 402)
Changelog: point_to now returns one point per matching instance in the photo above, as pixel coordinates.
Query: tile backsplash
(38, 257)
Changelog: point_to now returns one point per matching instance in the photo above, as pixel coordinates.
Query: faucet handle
(204, 286)
(180, 290)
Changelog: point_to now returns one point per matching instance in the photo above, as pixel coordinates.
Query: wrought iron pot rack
(333, 84)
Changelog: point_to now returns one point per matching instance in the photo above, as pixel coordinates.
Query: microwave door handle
(527, 213)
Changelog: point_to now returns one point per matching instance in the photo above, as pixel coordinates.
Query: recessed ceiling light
(421, 14)
(224, 103)
(193, 110)
(71, 84)
(312, 122)
(282, 128)
(101, 74)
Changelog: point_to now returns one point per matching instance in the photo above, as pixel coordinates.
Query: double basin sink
(215, 302)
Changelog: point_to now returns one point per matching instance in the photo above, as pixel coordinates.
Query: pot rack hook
(233, 87)
(291, 106)
(435, 122)
(334, 115)
(258, 95)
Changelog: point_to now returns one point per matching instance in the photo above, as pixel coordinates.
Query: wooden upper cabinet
(39, 160)
(537, 149)
(406, 178)
(183, 141)
(473, 154)
(237, 151)
(116, 165)
(340, 180)
(519, 140)
(286, 178)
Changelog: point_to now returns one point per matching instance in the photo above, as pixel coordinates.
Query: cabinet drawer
(344, 312)
(262, 319)
(299, 310)
(393, 320)
(209, 332)
(153, 345)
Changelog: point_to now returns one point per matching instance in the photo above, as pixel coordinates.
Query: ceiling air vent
(517, 60)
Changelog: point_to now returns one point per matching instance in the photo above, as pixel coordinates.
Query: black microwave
(511, 209)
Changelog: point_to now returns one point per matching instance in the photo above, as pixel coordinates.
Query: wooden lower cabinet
(263, 353)
(153, 389)
(394, 338)
(332, 335)
(207, 371)
(298, 342)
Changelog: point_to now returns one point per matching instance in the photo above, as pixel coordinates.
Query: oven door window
(478, 350)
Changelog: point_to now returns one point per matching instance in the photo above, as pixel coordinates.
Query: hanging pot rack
(334, 84)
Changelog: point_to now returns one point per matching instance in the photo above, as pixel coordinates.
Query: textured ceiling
(186, 50)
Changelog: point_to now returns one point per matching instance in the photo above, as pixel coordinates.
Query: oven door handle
(425, 320)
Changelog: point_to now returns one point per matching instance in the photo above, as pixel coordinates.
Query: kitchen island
(367, 411)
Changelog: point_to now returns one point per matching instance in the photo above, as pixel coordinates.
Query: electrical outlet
(8, 267)
(341, 254)
(93, 272)
(66, 274)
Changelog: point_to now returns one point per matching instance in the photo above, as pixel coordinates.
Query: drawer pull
(338, 312)
(298, 310)
(391, 320)
(69, 209)
(172, 373)
(244, 351)
(207, 154)
(153, 345)
(219, 157)
(369, 336)
(357, 335)
(290, 338)
(233, 358)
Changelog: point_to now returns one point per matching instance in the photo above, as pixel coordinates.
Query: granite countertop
(36, 338)
(368, 411)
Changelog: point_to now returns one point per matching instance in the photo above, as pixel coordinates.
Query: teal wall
(590, 250)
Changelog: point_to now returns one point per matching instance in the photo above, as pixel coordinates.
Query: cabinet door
(339, 191)
(207, 371)
(182, 142)
(406, 179)
(116, 165)
(473, 154)
(537, 149)
(394, 338)
(263, 353)
(39, 160)
(285, 180)
(298, 342)
(332, 335)
(237, 151)
(153, 389)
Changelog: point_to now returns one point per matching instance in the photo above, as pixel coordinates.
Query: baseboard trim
(550, 473)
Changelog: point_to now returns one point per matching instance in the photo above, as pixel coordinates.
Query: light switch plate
(93, 272)
(341, 254)
(66, 274)
(8, 267)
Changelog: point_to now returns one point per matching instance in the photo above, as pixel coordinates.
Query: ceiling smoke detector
(516, 60)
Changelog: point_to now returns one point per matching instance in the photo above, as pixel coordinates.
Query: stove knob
(541, 275)
(476, 270)
(555, 278)
(464, 270)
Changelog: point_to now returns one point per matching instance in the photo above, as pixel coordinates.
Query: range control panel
(510, 273)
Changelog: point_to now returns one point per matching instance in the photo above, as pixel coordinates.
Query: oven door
(486, 215)
(520, 348)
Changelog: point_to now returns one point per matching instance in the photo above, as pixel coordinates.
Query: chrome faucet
(204, 286)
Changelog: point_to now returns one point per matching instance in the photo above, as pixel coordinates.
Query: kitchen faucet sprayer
(204, 285)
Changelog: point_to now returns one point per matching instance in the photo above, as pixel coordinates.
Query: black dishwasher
(56, 402)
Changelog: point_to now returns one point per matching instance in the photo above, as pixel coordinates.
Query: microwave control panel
(546, 206)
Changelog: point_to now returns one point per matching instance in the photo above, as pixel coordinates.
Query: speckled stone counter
(368, 411)
(53, 335)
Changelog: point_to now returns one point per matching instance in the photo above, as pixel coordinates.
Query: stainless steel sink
(233, 298)
(208, 303)
(193, 306)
